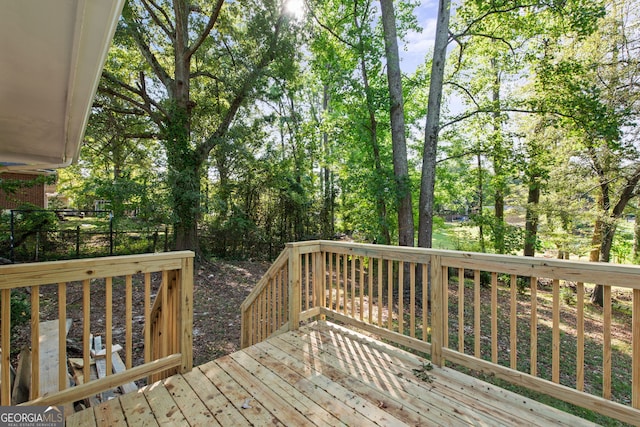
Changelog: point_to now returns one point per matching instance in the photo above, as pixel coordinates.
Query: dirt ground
(219, 290)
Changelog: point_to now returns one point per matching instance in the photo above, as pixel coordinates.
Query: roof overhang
(52, 55)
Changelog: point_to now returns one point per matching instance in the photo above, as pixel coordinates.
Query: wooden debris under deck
(98, 369)
(326, 375)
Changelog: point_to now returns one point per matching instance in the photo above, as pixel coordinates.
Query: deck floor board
(322, 375)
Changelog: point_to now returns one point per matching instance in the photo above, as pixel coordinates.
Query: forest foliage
(254, 123)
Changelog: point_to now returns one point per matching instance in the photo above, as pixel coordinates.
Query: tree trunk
(499, 159)
(432, 127)
(381, 204)
(480, 204)
(400, 164)
(607, 232)
(184, 174)
(185, 166)
(606, 228)
(326, 214)
(531, 222)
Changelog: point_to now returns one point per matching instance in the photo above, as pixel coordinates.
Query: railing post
(185, 314)
(438, 291)
(294, 287)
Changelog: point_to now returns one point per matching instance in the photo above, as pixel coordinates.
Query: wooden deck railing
(502, 315)
(265, 310)
(165, 323)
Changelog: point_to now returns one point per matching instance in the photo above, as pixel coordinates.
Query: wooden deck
(322, 375)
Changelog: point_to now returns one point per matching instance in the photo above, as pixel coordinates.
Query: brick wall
(34, 195)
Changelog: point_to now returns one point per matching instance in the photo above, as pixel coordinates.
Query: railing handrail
(44, 273)
(273, 269)
(584, 271)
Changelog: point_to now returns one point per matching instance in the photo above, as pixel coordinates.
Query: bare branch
(492, 37)
(197, 74)
(148, 104)
(226, 46)
(205, 33)
(241, 95)
(461, 155)
(158, 69)
(127, 111)
(489, 13)
(168, 29)
(466, 91)
(327, 28)
(142, 135)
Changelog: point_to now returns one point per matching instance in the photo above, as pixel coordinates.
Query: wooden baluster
(534, 326)
(62, 336)
(425, 302)
(5, 326)
(412, 300)
(128, 346)
(307, 276)
(513, 323)
(330, 281)
(606, 344)
(263, 316)
(362, 288)
(345, 296)
(445, 306)
(271, 309)
(353, 286)
(164, 298)
(635, 343)
(285, 293)
(580, 336)
(147, 317)
(380, 293)
(390, 294)
(461, 310)
(401, 297)
(34, 390)
(370, 289)
(319, 280)
(109, 322)
(86, 330)
(555, 340)
(477, 351)
(494, 317)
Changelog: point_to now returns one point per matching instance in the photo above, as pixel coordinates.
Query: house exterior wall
(34, 194)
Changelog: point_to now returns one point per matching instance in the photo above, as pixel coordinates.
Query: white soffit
(51, 58)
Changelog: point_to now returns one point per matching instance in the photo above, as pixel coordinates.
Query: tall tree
(347, 57)
(186, 51)
(400, 163)
(592, 82)
(499, 43)
(432, 127)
